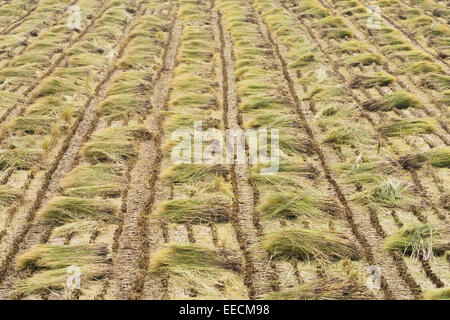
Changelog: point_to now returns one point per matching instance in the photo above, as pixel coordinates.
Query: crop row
(94, 146)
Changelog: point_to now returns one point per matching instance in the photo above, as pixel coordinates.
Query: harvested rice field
(224, 149)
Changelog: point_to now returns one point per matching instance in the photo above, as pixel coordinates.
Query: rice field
(95, 96)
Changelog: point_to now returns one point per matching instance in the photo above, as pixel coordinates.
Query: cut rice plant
(399, 100)
(440, 32)
(354, 10)
(67, 114)
(193, 173)
(422, 241)
(397, 48)
(193, 257)
(7, 98)
(420, 68)
(80, 72)
(375, 79)
(338, 33)
(252, 87)
(411, 55)
(77, 227)
(311, 9)
(17, 73)
(190, 13)
(103, 151)
(19, 158)
(249, 52)
(291, 205)
(45, 281)
(58, 85)
(330, 114)
(190, 82)
(50, 264)
(116, 107)
(439, 82)
(80, 61)
(92, 180)
(296, 166)
(211, 274)
(302, 61)
(51, 256)
(31, 142)
(196, 44)
(268, 119)
(9, 195)
(259, 102)
(439, 157)
(130, 82)
(61, 210)
(248, 63)
(114, 144)
(325, 93)
(437, 294)
(365, 59)
(389, 36)
(364, 172)
(250, 72)
(188, 71)
(195, 56)
(410, 126)
(352, 5)
(277, 23)
(293, 168)
(184, 100)
(332, 22)
(187, 119)
(325, 289)
(346, 135)
(47, 106)
(445, 99)
(278, 182)
(288, 178)
(308, 244)
(140, 54)
(32, 125)
(89, 175)
(292, 145)
(389, 194)
(352, 46)
(421, 21)
(205, 209)
(194, 33)
(26, 63)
